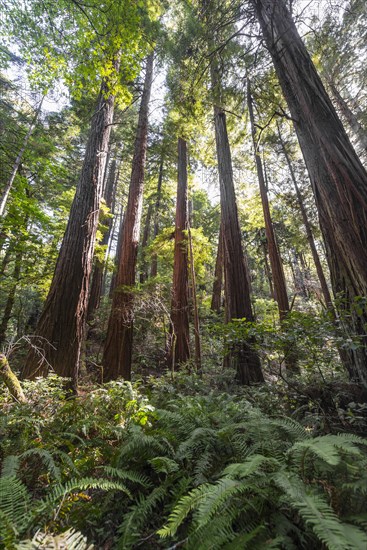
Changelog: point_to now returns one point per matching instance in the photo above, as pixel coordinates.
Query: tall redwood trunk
(280, 288)
(119, 340)
(97, 279)
(338, 178)
(61, 327)
(309, 234)
(179, 351)
(154, 266)
(237, 281)
(216, 302)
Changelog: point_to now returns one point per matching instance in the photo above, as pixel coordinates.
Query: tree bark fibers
(216, 302)
(338, 178)
(61, 327)
(117, 354)
(179, 351)
(237, 281)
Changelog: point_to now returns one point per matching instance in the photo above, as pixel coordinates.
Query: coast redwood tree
(61, 327)
(338, 178)
(237, 280)
(179, 351)
(119, 340)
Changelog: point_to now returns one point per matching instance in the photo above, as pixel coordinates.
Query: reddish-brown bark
(179, 351)
(237, 281)
(119, 340)
(61, 327)
(154, 266)
(338, 178)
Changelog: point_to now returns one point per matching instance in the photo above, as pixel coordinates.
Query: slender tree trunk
(195, 306)
(309, 234)
(338, 178)
(179, 351)
(61, 327)
(6, 259)
(280, 288)
(146, 233)
(11, 297)
(118, 252)
(237, 281)
(97, 279)
(119, 340)
(266, 265)
(216, 302)
(8, 186)
(356, 127)
(154, 266)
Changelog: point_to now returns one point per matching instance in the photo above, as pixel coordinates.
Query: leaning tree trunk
(5, 193)
(309, 234)
(61, 327)
(10, 380)
(97, 279)
(179, 351)
(338, 178)
(280, 288)
(216, 302)
(237, 280)
(119, 340)
(356, 127)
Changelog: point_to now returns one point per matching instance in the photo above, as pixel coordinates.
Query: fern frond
(248, 467)
(133, 520)
(47, 458)
(317, 513)
(14, 501)
(10, 466)
(328, 447)
(69, 540)
(163, 464)
(183, 508)
(127, 475)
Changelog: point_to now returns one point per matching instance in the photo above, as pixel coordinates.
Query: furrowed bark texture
(237, 282)
(338, 178)
(62, 322)
(117, 354)
(179, 351)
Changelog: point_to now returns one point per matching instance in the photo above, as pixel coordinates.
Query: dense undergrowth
(187, 462)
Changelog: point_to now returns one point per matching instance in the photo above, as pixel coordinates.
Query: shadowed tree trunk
(280, 288)
(62, 322)
(195, 306)
(119, 340)
(356, 127)
(179, 351)
(306, 223)
(154, 266)
(97, 279)
(338, 178)
(216, 302)
(11, 297)
(237, 281)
